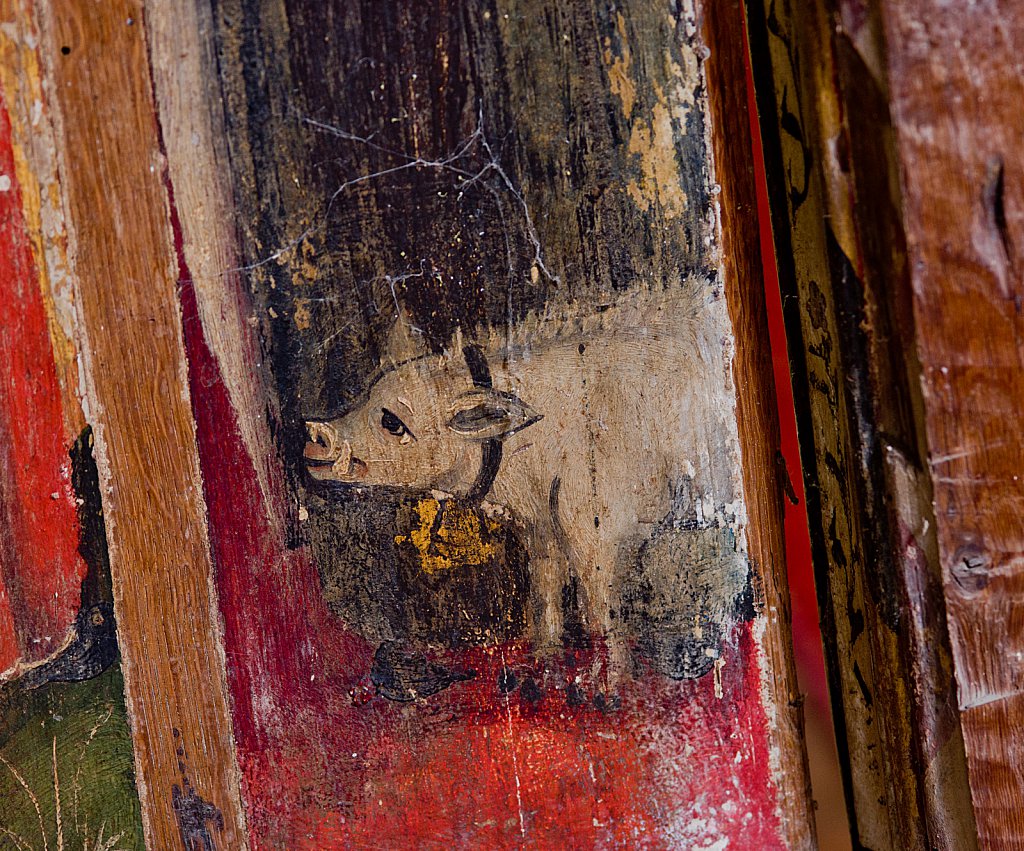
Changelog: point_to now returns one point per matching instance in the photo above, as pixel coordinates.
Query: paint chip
(5, 183)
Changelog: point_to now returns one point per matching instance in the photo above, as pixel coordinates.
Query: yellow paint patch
(654, 143)
(302, 316)
(306, 267)
(652, 134)
(618, 69)
(458, 539)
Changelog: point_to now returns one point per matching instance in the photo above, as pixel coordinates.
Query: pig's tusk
(319, 430)
(407, 404)
(342, 466)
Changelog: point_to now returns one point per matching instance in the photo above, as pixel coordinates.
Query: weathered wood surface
(955, 89)
(756, 403)
(832, 166)
(134, 384)
(66, 760)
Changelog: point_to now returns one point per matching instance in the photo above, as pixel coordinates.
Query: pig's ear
(403, 342)
(485, 414)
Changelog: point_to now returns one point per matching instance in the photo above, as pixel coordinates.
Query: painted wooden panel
(467, 202)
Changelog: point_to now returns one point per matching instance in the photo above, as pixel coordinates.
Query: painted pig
(586, 431)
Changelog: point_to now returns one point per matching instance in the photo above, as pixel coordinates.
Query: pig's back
(631, 409)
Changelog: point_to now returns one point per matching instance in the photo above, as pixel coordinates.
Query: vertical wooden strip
(755, 402)
(46, 571)
(192, 122)
(956, 92)
(798, 200)
(841, 250)
(35, 167)
(145, 436)
(916, 691)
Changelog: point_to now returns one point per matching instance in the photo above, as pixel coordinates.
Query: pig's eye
(393, 425)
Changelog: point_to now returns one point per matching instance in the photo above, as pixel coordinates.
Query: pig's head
(428, 422)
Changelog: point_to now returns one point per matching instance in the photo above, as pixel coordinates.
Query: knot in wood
(970, 570)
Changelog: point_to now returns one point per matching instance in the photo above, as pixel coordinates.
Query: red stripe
(40, 568)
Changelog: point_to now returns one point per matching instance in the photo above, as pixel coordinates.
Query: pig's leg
(590, 553)
(596, 573)
(524, 491)
(548, 574)
(571, 509)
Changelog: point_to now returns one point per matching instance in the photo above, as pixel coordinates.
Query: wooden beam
(756, 403)
(137, 400)
(956, 92)
(836, 207)
(192, 121)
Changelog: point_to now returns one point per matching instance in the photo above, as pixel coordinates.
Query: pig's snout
(328, 456)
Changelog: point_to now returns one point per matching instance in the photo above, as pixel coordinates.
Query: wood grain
(138, 402)
(956, 89)
(799, 202)
(756, 403)
(831, 165)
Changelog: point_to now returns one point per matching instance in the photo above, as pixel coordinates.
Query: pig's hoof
(402, 676)
(575, 696)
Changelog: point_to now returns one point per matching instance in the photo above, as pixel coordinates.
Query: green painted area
(67, 780)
